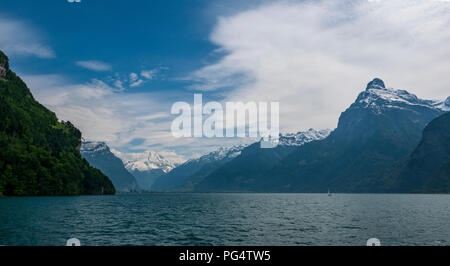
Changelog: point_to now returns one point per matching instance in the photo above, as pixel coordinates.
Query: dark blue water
(227, 219)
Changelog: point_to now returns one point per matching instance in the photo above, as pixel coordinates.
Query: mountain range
(388, 140)
(253, 161)
(192, 173)
(382, 127)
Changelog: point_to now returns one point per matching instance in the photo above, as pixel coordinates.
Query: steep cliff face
(428, 167)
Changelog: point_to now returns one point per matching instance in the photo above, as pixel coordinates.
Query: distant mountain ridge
(302, 137)
(252, 163)
(99, 155)
(219, 154)
(188, 175)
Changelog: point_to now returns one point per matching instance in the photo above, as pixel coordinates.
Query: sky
(115, 68)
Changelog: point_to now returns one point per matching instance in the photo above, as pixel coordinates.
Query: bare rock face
(4, 66)
(3, 71)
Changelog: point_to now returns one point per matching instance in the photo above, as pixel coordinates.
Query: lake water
(226, 219)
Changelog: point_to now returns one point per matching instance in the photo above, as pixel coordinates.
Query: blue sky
(114, 68)
(94, 40)
(129, 36)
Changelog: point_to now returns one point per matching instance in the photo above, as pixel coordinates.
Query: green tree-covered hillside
(38, 154)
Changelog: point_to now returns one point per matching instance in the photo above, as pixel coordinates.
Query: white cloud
(315, 56)
(94, 65)
(103, 113)
(119, 85)
(19, 38)
(100, 111)
(137, 83)
(148, 74)
(135, 80)
(133, 77)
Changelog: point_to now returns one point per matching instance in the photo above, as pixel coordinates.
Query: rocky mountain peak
(376, 83)
(300, 138)
(377, 97)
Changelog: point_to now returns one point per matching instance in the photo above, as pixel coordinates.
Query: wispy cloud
(135, 80)
(20, 38)
(149, 74)
(94, 65)
(133, 77)
(315, 56)
(137, 83)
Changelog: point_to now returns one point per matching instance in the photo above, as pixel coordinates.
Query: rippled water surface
(226, 219)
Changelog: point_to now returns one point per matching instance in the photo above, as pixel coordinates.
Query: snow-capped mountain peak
(146, 161)
(300, 138)
(377, 96)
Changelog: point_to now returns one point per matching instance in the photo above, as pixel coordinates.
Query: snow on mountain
(290, 139)
(444, 106)
(219, 154)
(377, 97)
(133, 161)
(146, 161)
(300, 138)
